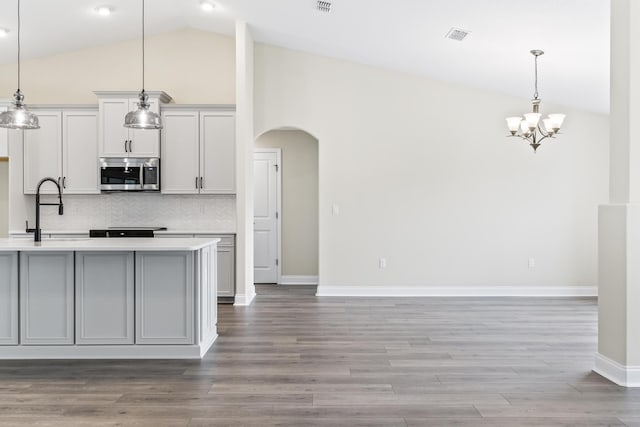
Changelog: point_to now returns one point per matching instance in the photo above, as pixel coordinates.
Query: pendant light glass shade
(17, 116)
(142, 118)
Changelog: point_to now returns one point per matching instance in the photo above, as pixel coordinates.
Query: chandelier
(528, 126)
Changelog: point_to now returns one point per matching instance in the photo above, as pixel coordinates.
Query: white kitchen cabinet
(80, 152)
(43, 152)
(202, 142)
(114, 139)
(8, 298)
(217, 152)
(104, 298)
(164, 298)
(65, 149)
(180, 152)
(226, 272)
(46, 298)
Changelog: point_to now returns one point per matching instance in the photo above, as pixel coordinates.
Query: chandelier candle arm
(143, 117)
(531, 127)
(17, 116)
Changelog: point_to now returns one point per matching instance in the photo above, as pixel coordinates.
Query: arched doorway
(292, 154)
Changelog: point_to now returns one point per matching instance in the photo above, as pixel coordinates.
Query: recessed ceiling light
(104, 10)
(4, 32)
(207, 6)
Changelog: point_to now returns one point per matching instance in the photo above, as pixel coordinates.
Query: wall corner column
(245, 289)
(618, 357)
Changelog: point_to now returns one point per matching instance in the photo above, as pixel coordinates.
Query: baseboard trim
(298, 280)
(457, 291)
(625, 376)
(20, 352)
(244, 300)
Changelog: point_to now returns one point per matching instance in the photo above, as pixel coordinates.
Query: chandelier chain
(535, 94)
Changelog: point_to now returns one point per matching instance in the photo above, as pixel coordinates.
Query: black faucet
(37, 236)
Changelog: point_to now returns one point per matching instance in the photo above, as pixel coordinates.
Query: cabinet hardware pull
(64, 182)
(125, 146)
(130, 149)
(196, 182)
(201, 183)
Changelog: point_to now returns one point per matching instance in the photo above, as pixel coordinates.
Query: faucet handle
(27, 229)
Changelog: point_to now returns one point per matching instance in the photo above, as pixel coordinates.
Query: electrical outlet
(383, 263)
(532, 262)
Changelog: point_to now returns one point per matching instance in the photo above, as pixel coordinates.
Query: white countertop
(170, 232)
(21, 233)
(101, 244)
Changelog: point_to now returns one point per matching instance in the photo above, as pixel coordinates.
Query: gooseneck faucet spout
(37, 233)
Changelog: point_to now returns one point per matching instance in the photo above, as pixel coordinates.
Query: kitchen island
(107, 298)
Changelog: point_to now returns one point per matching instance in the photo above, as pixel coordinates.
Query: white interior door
(265, 218)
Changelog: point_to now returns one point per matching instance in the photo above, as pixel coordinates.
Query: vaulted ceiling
(405, 35)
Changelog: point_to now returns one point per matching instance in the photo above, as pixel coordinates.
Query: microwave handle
(142, 177)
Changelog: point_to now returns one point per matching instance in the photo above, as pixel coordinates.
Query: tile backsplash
(176, 212)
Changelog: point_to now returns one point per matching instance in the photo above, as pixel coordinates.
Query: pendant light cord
(18, 45)
(142, 45)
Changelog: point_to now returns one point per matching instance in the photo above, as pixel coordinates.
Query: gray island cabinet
(107, 298)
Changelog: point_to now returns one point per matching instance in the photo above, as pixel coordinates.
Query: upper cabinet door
(80, 152)
(43, 152)
(217, 152)
(144, 142)
(180, 153)
(113, 137)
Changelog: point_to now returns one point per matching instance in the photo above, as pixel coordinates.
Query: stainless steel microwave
(129, 174)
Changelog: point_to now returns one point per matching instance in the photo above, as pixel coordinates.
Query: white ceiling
(405, 35)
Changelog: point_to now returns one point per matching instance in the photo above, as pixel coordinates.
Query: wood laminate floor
(292, 359)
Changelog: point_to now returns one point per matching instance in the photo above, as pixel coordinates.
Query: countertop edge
(107, 245)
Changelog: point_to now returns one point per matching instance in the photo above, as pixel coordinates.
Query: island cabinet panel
(104, 298)
(46, 298)
(8, 298)
(208, 299)
(165, 297)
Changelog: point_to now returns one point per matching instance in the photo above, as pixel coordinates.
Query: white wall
(424, 176)
(192, 66)
(299, 170)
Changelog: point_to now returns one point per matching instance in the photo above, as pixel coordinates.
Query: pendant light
(17, 116)
(142, 118)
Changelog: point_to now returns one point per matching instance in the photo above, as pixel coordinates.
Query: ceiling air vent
(457, 34)
(323, 6)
